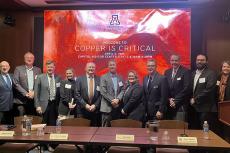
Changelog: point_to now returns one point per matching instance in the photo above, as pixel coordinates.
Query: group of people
(178, 94)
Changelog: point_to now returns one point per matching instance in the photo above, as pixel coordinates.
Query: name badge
(155, 87)
(124, 137)
(58, 84)
(98, 88)
(202, 80)
(120, 84)
(187, 140)
(68, 86)
(55, 136)
(6, 133)
(178, 79)
(217, 83)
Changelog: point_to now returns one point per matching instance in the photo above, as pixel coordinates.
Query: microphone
(183, 134)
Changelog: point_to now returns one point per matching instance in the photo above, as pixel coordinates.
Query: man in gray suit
(112, 91)
(47, 94)
(24, 77)
(6, 93)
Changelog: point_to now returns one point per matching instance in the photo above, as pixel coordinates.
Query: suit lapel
(201, 76)
(145, 84)
(170, 78)
(24, 72)
(3, 81)
(110, 81)
(85, 86)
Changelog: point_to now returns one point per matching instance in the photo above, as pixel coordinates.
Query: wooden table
(77, 135)
(142, 138)
(107, 136)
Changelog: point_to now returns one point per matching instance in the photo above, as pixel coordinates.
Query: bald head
(90, 68)
(29, 59)
(175, 61)
(4, 67)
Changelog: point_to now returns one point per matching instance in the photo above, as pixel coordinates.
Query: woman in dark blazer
(133, 98)
(67, 104)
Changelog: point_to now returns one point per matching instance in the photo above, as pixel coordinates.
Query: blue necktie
(8, 82)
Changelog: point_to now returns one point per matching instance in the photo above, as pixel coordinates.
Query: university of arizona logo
(114, 20)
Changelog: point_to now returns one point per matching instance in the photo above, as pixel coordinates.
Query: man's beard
(201, 66)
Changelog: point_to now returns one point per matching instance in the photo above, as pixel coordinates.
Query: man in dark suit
(112, 91)
(25, 76)
(203, 99)
(47, 94)
(179, 79)
(155, 92)
(6, 93)
(88, 95)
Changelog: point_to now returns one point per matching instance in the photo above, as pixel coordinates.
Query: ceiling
(31, 4)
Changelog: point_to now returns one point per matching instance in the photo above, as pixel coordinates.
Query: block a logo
(114, 20)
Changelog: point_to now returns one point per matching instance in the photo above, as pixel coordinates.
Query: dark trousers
(196, 119)
(50, 115)
(92, 116)
(6, 117)
(27, 108)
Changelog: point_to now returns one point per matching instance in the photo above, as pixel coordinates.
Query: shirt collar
(89, 76)
(29, 69)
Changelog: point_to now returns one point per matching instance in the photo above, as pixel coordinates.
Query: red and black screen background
(131, 37)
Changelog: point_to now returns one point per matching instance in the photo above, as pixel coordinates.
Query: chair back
(126, 123)
(35, 119)
(173, 124)
(76, 122)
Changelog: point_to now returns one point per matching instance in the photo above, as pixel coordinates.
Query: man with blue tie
(155, 92)
(6, 93)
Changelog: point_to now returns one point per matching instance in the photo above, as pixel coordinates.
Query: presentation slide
(130, 37)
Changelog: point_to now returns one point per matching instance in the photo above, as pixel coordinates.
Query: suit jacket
(179, 87)
(227, 89)
(156, 97)
(205, 91)
(133, 102)
(21, 82)
(41, 91)
(67, 90)
(6, 94)
(107, 92)
(81, 93)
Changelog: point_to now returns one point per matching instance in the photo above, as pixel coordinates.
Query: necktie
(173, 74)
(8, 82)
(52, 88)
(149, 82)
(90, 89)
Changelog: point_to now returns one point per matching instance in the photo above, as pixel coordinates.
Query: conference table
(142, 138)
(107, 136)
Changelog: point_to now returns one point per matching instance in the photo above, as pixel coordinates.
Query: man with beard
(203, 99)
